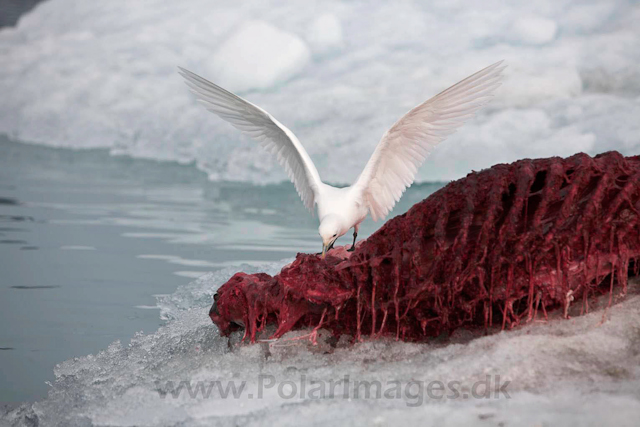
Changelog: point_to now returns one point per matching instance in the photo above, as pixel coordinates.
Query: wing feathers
(399, 154)
(261, 126)
(403, 148)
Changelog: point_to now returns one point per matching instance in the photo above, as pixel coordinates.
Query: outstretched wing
(260, 125)
(402, 149)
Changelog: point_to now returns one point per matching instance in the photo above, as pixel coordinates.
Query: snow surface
(582, 371)
(339, 73)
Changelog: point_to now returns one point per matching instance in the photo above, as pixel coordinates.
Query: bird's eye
(335, 235)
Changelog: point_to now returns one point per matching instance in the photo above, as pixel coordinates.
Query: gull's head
(330, 229)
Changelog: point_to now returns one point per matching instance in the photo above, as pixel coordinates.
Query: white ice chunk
(325, 35)
(95, 74)
(534, 30)
(258, 56)
(529, 85)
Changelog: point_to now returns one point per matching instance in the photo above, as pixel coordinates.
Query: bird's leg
(353, 245)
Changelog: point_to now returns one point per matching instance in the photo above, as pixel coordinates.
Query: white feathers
(403, 148)
(395, 161)
(260, 125)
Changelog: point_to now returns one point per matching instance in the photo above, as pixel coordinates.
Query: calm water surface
(87, 240)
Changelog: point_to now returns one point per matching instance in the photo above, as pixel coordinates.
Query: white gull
(389, 171)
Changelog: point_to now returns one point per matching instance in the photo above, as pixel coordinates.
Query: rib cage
(487, 249)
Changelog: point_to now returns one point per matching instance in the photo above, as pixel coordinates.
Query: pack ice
(87, 74)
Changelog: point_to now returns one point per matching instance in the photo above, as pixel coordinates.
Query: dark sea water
(88, 239)
(11, 10)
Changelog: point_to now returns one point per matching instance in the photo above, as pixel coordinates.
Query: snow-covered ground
(88, 74)
(582, 371)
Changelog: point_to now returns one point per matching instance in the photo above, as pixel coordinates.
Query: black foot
(353, 245)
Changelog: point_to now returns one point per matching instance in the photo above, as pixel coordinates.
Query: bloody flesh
(492, 248)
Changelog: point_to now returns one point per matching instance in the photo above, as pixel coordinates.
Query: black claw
(351, 249)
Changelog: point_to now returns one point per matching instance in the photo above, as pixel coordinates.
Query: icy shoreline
(583, 371)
